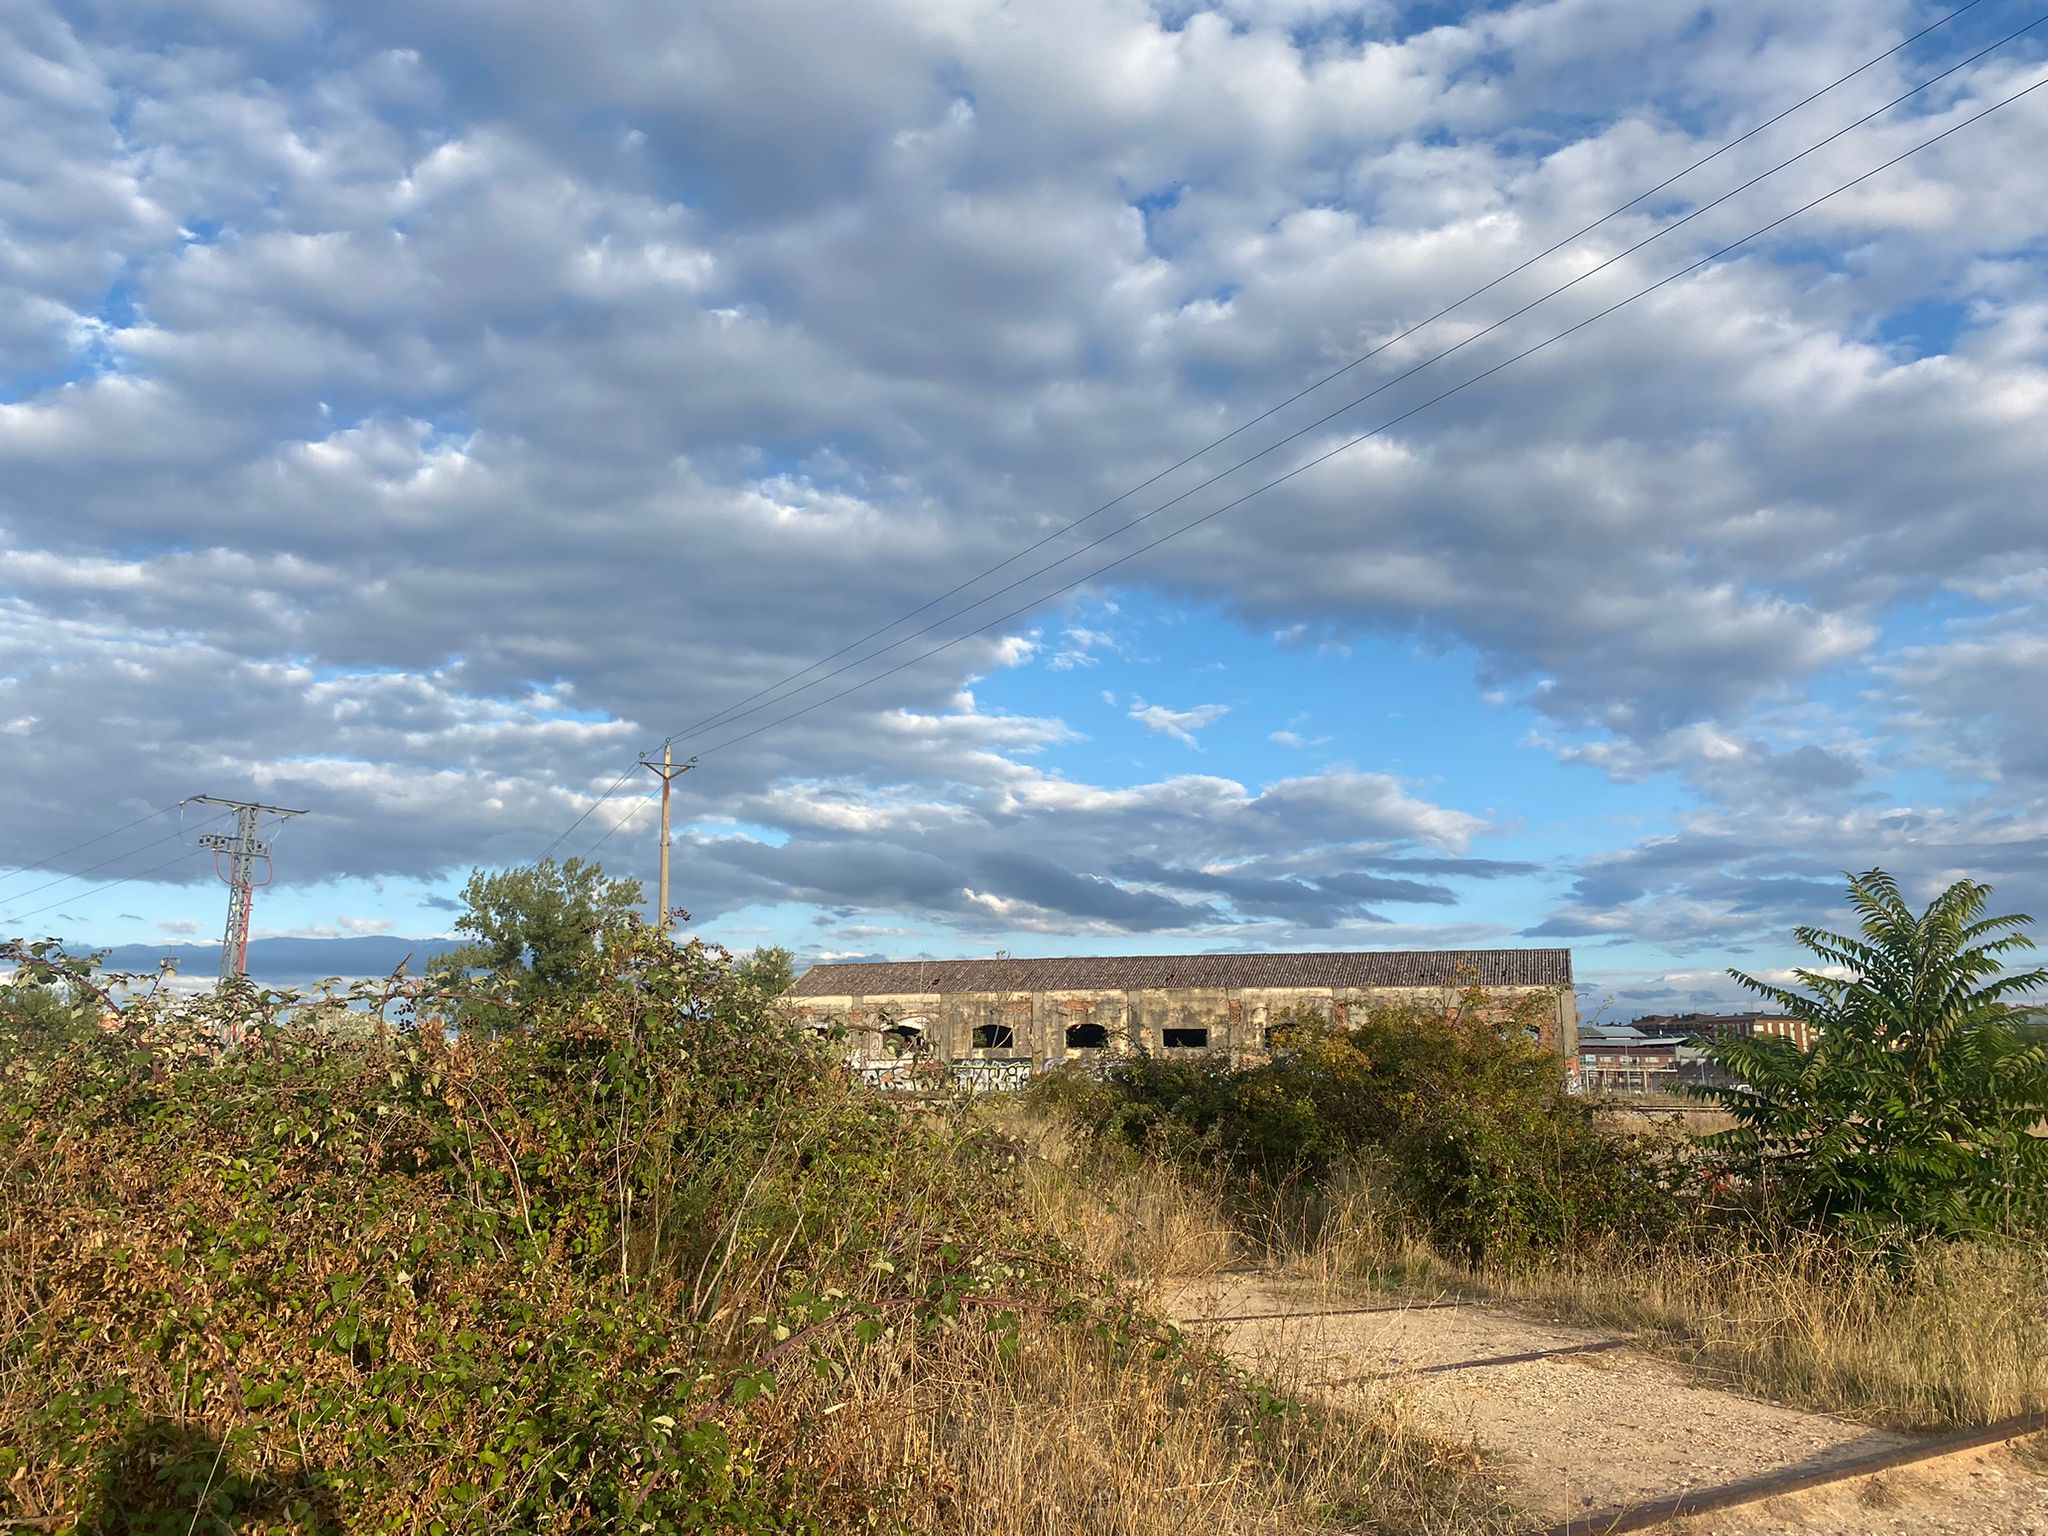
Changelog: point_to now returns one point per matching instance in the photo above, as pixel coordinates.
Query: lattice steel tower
(244, 847)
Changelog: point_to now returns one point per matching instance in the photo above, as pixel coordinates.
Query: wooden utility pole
(667, 770)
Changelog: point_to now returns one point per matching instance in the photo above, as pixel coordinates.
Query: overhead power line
(760, 699)
(631, 811)
(1384, 426)
(176, 858)
(563, 835)
(727, 715)
(737, 714)
(49, 860)
(103, 863)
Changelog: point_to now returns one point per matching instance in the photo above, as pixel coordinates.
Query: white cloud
(1290, 736)
(424, 418)
(1180, 724)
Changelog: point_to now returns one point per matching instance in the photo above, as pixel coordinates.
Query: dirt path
(1575, 1421)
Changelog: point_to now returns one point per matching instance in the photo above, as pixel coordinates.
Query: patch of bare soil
(1573, 1420)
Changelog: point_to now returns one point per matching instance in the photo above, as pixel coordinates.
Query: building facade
(1701, 1027)
(1625, 1062)
(1029, 1015)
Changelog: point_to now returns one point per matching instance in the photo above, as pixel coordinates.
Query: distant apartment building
(1697, 1028)
(1018, 1016)
(1629, 1062)
(1666, 1052)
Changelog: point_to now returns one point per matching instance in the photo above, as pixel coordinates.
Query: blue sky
(413, 420)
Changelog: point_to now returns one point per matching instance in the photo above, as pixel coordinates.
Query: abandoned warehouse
(1033, 1014)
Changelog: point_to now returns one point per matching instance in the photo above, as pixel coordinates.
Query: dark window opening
(1184, 1039)
(1087, 1037)
(994, 1037)
(902, 1039)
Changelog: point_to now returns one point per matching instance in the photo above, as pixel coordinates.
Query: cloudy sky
(412, 412)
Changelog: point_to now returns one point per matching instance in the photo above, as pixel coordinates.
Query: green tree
(50, 997)
(1918, 1105)
(772, 970)
(532, 929)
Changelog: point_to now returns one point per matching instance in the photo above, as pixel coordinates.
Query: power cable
(563, 835)
(725, 716)
(177, 836)
(737, 710)
(631, 812)
(737, 714)
(50, 859)
(1386, 425)
(96, 890)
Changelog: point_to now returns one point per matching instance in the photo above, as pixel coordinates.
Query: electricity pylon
(243, 847)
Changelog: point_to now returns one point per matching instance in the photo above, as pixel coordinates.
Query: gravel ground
(1605, 1426)
(1986, 1493)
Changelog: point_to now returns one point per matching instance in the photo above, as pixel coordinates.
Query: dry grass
(1058, 1439)
(1126, 1215)
(1065, 1437)
(1955, 1335)
(1958, 1335)
(1058, 1429)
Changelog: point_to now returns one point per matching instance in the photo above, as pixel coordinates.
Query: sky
(413, 413)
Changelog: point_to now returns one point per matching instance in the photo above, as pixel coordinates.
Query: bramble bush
(599, 1272)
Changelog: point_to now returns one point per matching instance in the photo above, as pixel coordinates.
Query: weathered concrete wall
(1047, 1027)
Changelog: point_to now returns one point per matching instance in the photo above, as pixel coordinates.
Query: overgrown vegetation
(1868, 1238)
(635, 1256)
(1454, 1114)
(1920, 1106)
(643, 1263)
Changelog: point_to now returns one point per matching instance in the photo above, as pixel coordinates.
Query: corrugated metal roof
(1358, 968)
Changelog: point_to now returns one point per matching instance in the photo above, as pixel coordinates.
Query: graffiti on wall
(986, 1075)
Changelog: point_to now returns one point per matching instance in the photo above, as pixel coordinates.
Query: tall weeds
(1946, 1333)
(1426, 1154)
(1137, 1217)
(1951, 1333)
(647, 1263)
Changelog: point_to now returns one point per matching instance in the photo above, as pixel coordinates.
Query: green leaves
(1916, 1107)
(532, 932)
(510, 1267)
(1454, 1110)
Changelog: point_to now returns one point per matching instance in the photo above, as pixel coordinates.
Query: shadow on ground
(166, 1479)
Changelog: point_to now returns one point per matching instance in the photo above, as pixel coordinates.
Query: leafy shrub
(1920, 1105)
(49, 1002)
(576, 1276)
(1456, 1113)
